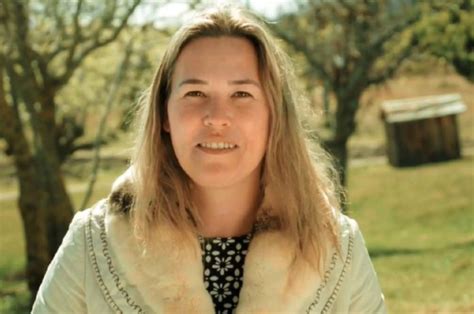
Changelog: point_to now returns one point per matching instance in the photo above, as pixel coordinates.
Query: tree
(42, 45)
(447, 31)
(349, 45)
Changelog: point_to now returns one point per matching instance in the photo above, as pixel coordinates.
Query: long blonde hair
(299, 188)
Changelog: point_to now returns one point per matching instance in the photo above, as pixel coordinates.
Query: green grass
(418, 224)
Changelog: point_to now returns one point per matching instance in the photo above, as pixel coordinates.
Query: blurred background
(390, 84)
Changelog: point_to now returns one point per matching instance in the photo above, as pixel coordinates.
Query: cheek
(182, 128)
(176, 119)
(258, 130)
(264, 123)
(180, 114)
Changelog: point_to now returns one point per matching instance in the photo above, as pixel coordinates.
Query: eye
(195, 93)
(241, 94)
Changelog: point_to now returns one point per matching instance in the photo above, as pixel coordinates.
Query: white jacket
(100, 269)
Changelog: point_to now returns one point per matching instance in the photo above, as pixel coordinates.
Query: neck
(227, 211)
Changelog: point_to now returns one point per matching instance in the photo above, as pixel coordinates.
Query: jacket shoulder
(63, 287)
(361, 287)
(347, 226)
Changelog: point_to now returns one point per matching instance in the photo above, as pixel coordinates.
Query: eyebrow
(244, 82)
(195, 81)
(191, 81)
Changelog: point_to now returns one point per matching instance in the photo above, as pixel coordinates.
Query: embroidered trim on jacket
(95, 266)
(333, 296)
(111, 268)
(323, 284)
(327, 275)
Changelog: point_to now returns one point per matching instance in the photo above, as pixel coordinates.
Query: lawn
(418, 224)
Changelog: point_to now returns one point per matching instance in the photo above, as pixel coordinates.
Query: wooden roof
(411, 109)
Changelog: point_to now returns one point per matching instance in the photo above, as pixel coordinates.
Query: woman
(226, 207)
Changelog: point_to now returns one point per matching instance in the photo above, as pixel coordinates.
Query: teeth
(218, 145)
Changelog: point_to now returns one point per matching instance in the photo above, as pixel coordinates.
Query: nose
(218, 114)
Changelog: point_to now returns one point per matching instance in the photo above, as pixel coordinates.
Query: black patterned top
(223, 260)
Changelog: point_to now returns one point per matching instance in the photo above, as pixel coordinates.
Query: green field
(418, 224)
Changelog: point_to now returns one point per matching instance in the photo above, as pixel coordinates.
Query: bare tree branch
(94, 44)
(10, 127)
(13, 80)
(31, 63)
(58, 19)
(87, 146)
(6, 114)
(20, 39)
(76, 37)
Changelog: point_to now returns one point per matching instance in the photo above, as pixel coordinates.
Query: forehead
(226, 56)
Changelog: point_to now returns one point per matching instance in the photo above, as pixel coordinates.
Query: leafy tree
(447, 31)
(43, 43)
(348, 46)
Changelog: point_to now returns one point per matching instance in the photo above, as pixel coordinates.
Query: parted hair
(299, 186)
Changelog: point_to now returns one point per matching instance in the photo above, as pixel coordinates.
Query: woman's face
(218, 116)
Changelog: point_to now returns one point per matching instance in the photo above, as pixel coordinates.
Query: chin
(218, 176)
(212, 181)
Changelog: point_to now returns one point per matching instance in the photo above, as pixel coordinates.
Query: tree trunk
(45, 219)
(32, 204)
(59, 211)
(344, 127)
(44, 204)
(32, 200)
(338, 150)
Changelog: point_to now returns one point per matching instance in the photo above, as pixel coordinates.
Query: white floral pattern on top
(223, 260)
(222, 265)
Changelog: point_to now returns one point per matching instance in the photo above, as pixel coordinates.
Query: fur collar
(169, 277)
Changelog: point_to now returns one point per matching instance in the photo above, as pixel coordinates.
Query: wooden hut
(421, 130)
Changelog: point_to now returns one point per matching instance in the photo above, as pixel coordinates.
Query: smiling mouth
(217, 145)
